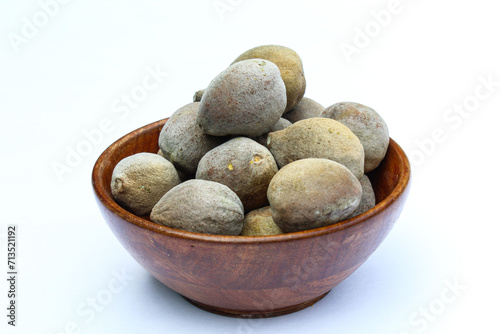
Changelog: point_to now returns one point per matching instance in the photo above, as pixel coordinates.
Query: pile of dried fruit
(252, 156)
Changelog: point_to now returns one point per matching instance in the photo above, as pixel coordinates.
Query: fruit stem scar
(256, 159)
(119, 184)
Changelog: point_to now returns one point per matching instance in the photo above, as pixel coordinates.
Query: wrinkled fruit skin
(140, 180)
(311, 193)
(200, 206)
(260, 222)
(290, 65)
(183, 142)
(243, 165)
(318, 138)
(367, 125)
(246, 99)
(367, 198)
(306, 108)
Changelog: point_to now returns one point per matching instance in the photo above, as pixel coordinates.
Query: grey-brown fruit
(140, 180)
(317, 138)
(200, 206)
(182, 175)
(260, 222)
(367, 125)
(290, 65)
(311, 193)
(367, 198)
(183, 142)
(243, 165)
(246, 99)
(306, 108)
(280, 125)
(197, 96)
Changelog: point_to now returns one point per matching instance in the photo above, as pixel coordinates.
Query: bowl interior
(389, 180)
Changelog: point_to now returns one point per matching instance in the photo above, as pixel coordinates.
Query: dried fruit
(200, 206)
(260, 222)
(311, 193)
(243, 165)
(317, 138)
(367, 125)
(197, 96)
(280, 125)
(367, 198)
(183, 142)
(306, 108)
(140, 180)
(290, 65)
(247, 99)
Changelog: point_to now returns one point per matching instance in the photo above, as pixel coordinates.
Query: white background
(69, 74)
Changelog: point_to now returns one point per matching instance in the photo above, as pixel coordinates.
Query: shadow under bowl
(251, 277)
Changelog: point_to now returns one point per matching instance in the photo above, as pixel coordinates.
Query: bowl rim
(112, 206)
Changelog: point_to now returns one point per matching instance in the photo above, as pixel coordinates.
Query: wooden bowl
(251, 276)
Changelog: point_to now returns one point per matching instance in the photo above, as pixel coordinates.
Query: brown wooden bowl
(251, 276)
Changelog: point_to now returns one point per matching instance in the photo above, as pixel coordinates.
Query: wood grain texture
(251, 276)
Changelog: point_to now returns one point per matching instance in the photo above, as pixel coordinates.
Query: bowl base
(256, 314)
